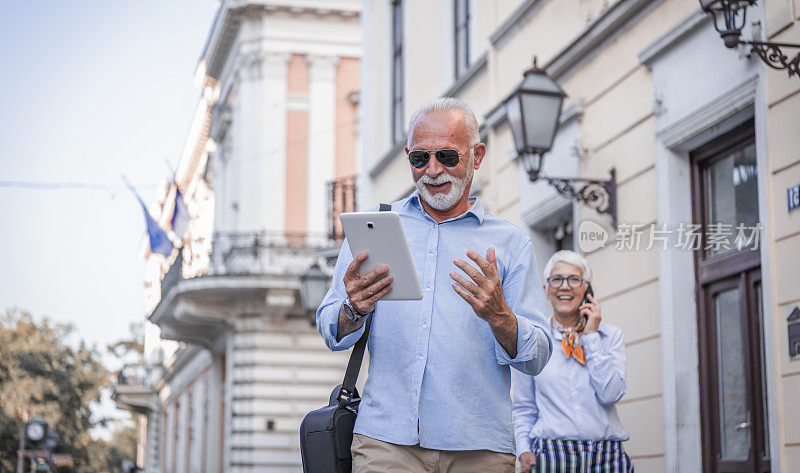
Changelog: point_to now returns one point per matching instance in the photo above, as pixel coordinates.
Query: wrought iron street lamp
(533, 110)
(313, 287)
(730, 17)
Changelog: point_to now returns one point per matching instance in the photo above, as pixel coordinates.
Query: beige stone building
(698, 134)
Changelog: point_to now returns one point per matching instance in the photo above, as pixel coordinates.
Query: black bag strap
(354, 365)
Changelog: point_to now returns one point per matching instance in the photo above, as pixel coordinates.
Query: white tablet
(381, 235)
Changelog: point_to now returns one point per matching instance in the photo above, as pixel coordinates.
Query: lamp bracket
(774, 57)
(600, 195)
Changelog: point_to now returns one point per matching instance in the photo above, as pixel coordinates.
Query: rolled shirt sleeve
(605, 360)
(523, 293)
(328, 312)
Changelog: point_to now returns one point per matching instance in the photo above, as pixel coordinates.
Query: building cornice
(672, 38)
(474, 70)
(227, 22)
(595, 35)
(735, 103)
(544, 209)
(514, 22)
(591, 40)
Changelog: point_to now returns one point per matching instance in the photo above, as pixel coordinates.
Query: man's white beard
(441, 201)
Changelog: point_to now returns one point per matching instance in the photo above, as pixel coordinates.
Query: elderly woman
(564, 418)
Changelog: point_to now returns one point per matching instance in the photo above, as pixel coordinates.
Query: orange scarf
(571, 340)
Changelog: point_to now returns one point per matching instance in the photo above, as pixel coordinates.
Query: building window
(461, 29)
(398, 115)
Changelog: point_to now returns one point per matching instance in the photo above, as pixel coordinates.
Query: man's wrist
(503, 319)
(345, 325)
(352, 311)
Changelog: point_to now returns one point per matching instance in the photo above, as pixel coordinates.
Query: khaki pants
(375, 456)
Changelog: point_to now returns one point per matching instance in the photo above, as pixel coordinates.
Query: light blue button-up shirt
(570, 401)
(438, 377)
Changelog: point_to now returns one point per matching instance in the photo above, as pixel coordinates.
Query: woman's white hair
(570, 257)
(446, 104)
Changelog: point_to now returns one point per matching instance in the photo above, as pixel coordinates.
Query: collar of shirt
(476, 208)
(556, 333)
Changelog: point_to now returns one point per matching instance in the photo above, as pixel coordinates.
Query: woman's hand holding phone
(590, 310)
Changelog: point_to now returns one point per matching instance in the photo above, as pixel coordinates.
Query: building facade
(701, 139)
(233, 361)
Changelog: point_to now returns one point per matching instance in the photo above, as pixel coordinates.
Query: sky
(89, 90)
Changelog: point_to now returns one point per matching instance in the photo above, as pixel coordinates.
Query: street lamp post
(313, 287)
(533, 110)
(730, 16)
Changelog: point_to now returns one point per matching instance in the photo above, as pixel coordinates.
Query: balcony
(249, 273)
(343, 199)
(132, 392)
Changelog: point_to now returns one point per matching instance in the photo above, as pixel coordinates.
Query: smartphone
(586, 300)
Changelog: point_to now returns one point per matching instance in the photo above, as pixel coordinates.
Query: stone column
(152, 460)
(260, 135)
(321, 139)
(182, 426)
(214, 392)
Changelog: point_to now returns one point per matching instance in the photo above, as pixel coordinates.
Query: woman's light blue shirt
(569, 401)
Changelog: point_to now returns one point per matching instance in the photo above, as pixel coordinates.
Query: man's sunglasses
(448, 157)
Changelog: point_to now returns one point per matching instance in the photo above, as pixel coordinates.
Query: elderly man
(437, 393)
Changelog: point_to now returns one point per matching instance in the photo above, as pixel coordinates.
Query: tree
(107, 455)
(41, 374)
(131, 346)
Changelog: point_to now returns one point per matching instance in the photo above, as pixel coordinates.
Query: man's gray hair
(446, 104)
(570, 257)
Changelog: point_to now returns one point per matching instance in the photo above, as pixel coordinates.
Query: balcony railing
(132, 374)
(256, 253)
(250, 253)
(132, 392)
(343, 199)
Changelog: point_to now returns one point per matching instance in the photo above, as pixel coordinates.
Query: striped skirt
(580, 456)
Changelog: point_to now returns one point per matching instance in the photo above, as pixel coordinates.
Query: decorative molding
(474, 69)
(228, 19)
(544, 209)
(322, 67)
(219, 42)
(514, 22)
(387, 157)
(674, 37)
(221, 118)
(591, 40)
(738, 100)
(276, 64)
(255, 63)
(249, 65)
(310, 7)
(594, 37)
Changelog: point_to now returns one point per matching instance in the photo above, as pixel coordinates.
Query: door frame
(715, 274)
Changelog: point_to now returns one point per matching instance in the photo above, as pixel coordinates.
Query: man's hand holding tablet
(362, 292)
(387, 274)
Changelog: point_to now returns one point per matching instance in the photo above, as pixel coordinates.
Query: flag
(180, 215)
(159, 241)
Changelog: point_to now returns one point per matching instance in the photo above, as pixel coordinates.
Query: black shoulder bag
(326, 433)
